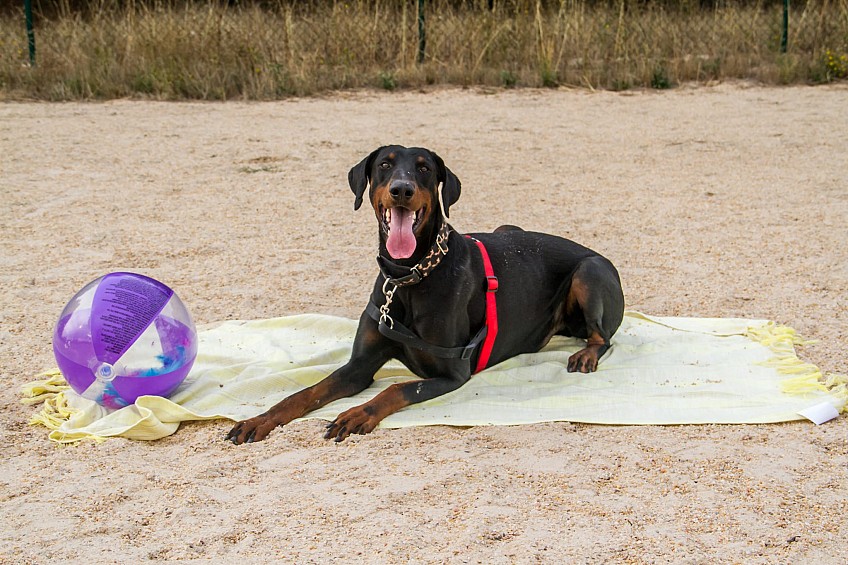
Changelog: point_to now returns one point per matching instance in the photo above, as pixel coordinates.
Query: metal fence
(422, 28)
(273, 48)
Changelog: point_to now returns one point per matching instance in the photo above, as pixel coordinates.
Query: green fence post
(422, 33)
(30, 31)
(784, 39)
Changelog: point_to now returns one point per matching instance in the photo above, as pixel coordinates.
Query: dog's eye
(423, 169)
(384, 165)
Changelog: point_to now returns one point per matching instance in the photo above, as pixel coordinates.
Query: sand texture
(722, 201)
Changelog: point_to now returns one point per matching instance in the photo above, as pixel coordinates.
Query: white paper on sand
(820, 413)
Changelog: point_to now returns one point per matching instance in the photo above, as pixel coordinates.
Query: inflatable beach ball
(123, 336)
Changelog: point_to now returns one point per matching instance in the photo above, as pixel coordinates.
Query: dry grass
(212, 51)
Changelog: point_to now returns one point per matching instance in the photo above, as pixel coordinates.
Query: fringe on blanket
(781, 340)
(49, 391)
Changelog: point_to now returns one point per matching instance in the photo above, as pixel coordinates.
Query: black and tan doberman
(448, 305)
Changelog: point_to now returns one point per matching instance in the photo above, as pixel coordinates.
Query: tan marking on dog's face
(421, 202)
(380, 195)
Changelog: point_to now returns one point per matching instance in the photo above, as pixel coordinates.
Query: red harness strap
(491, 308)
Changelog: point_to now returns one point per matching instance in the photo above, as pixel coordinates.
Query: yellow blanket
(659, 371)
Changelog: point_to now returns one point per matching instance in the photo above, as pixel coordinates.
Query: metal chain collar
(418, 272)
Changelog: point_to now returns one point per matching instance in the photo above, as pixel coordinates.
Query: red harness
(393, 329)
(491, 307)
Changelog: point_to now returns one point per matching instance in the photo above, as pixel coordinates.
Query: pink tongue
(401, 242)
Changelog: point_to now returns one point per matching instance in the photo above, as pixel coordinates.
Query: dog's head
(404, 192)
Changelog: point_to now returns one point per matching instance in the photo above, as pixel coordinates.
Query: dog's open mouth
(399, 225)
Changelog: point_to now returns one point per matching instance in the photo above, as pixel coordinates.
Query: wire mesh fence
(270, 49)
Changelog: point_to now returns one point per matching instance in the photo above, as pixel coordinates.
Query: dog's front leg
(364, 418)
(370, 352)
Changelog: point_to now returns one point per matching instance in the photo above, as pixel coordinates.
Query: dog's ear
(451, 187)
(360, 175)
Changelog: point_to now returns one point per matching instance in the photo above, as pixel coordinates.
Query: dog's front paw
(584, 361)
(254, 429)
(357, 420)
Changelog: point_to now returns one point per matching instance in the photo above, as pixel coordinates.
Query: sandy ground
(724, 201)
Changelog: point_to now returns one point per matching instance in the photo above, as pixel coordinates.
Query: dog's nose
(401, 190)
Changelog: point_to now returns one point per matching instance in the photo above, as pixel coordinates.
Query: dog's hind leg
(596, 293)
